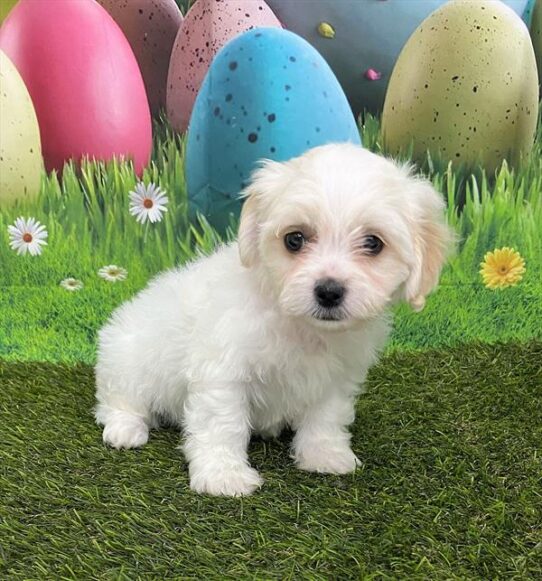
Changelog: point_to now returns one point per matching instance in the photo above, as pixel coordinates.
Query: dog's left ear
(433, 241)
(248, 231)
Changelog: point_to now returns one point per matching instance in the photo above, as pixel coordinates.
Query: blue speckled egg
(268, 94)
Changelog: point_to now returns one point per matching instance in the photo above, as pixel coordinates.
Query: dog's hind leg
(123, 428)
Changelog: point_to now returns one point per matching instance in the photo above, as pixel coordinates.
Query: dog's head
(340, 233)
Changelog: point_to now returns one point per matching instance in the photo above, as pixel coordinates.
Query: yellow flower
(502, 267)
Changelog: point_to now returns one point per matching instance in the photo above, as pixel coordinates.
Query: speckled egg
(465, 85)
(20, 149)
(208, 26)
(360, 39)
(536, 37)
(268, 94)
(151, 27)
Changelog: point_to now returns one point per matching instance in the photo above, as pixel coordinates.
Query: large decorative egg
(208, 26)
(536, 37)
(268, 94)
(84, 81)
(465, 85)
(20, 150)
(151, 27)
(360, 39)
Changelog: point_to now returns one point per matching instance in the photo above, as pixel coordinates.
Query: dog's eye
(294, 241)
(372, 245)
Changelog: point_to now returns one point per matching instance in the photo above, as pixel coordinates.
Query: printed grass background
(89, 226)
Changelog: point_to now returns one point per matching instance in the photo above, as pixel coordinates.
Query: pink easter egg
(83, 79)
(207, 27)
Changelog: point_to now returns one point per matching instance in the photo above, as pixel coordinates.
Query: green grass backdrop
(89, 226)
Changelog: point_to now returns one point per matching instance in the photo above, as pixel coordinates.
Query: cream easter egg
(465, 85)
(20, 150)
(208, 26)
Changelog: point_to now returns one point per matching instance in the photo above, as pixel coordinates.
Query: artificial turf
(449, 486)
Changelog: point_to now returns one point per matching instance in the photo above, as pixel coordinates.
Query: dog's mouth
(329, 315)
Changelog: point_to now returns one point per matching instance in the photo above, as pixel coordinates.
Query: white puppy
(279, 328)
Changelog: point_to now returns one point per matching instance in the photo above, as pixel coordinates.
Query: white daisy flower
(113, 273)
(71, 284)
(148, 203)
(27, 235)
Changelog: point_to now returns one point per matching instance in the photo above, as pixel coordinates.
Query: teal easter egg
(268, 94)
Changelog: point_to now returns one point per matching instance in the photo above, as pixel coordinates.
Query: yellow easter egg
(21, 163)
(465, 86)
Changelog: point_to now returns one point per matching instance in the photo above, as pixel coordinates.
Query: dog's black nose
(329, 293)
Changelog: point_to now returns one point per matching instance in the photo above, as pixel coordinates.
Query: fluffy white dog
(279, 328)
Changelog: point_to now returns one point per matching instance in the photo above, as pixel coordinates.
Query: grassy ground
(449, 486)
(89, 226)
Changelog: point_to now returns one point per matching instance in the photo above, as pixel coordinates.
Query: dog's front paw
(327, 459)
(221, 480)
(125, 430)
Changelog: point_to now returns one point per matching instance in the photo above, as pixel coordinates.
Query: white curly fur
(233, 344)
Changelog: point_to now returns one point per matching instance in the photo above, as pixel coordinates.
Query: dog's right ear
(248, 231)
(268, 179)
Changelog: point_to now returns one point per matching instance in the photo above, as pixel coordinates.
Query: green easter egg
(20, 148)
(465, 85)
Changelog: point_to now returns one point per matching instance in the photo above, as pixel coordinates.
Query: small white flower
(148, 203)
(71, 284)
(113, 273)
(28, 235)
